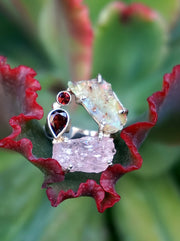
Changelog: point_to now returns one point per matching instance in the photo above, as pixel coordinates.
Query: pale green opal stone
(101, 103)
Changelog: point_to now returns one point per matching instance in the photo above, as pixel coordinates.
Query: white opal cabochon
(101, 103)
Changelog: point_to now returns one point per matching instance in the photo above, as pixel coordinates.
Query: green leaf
(127, 52)
(32, 8)
(26, 214)
(18, 44)
(168, 9)
(29, 10)
(66, 38)
(52, 38)
(158, 158)
(20, 195)
(173, 57)
(95, 8)
(149, 209)
(42, 146)
(7, 159)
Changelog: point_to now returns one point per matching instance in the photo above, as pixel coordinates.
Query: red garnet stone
(63, 98)
(58, 121)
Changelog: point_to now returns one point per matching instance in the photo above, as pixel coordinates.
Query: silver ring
(84, 150)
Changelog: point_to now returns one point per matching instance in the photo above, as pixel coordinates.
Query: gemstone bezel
(49, 123)
(63, 92)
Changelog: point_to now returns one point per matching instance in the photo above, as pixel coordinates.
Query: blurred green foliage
(134, 58)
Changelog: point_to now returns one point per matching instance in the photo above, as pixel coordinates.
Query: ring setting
(80, 150)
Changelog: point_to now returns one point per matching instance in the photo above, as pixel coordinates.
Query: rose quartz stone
(86, 154)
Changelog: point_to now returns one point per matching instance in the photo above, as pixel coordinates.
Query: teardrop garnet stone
(63, 98)
(58, 121)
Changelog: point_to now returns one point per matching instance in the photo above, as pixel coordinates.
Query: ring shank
(73, 133)
(76, 132)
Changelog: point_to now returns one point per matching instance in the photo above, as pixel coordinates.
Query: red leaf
(167, 129)
(70, 41)
(19, 98)
(133, 135)
(80, 30)
(21, 87)
(138, 9)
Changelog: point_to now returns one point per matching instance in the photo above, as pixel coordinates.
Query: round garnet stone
(63, 98)
(58, 121)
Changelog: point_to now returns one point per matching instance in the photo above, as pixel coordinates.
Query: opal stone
(85, 154)
(101, 103)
